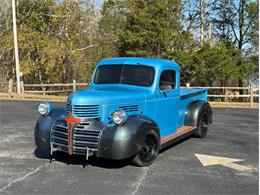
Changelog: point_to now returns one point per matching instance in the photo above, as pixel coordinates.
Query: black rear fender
(194, 112)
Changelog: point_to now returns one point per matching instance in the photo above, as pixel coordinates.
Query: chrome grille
(59, 135)
(84, 138)
(129, 108)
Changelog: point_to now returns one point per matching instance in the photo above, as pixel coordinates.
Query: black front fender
(43, 127)
(121, 142)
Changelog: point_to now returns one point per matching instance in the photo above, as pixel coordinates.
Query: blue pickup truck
(134, 108)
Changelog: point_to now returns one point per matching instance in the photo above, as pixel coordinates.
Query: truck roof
(154, 62)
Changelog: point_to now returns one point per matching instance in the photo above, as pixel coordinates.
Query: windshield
(125, 74)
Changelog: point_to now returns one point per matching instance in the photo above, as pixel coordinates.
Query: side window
(168, 80)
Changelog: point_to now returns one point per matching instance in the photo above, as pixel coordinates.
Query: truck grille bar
(84, 111)
(59, 136)
(84, 137)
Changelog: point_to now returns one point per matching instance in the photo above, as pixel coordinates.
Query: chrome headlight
(119, 117)
(45, 108)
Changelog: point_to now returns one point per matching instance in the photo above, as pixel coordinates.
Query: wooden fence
(215, 93)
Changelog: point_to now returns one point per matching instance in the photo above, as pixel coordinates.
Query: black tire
(203, 126)
(147, 155)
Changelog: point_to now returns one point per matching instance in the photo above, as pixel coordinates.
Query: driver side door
(168, 102)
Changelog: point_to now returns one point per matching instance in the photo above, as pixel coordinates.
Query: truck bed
(188, 95)
(191, 92)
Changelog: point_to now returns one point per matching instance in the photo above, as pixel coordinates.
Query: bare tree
(221, 19)
(201, 15)
(198, 17)
(5, 7)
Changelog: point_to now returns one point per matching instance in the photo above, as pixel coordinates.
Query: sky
(99, 2)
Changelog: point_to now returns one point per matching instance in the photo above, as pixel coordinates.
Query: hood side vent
(129, 108)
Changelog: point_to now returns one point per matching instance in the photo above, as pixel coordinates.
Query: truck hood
(106, 96)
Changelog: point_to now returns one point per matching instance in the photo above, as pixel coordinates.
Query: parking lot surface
(177, 170)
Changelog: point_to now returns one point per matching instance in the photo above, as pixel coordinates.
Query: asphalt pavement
(233, 134)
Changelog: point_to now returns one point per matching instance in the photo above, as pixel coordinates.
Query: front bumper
(92, 137)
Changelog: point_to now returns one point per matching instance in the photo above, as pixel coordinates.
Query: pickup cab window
(168, 80)
(125, 74)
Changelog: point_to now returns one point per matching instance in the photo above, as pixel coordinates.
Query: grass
(36, 97)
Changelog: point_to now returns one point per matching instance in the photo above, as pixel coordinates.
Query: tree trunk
(240, 84)
(241, 36)
(201, 23)
(210, 33)
(40, 76)
(241, 23)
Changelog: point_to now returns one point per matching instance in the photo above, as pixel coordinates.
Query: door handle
(162, 94)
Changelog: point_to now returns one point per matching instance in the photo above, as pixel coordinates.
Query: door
(168, 102)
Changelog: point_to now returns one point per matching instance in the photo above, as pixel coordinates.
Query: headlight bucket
(119, 117)
(45, 108)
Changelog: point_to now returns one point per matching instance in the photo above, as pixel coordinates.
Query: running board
(181, 133)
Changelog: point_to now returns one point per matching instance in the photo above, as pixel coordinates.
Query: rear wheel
(203, 126)
(147, 155)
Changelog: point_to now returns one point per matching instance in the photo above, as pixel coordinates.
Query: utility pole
(17, 65)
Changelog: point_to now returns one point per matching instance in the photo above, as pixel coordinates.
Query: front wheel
(203, 126)
(147, 155)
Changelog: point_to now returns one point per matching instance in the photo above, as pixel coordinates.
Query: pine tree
(152, 28)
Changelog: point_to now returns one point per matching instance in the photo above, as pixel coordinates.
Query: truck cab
(133, 108)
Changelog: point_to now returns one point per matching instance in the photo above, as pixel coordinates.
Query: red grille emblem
(71, 122)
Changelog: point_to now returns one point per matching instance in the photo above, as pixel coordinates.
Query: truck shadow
(81, 160)
(93, 161)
